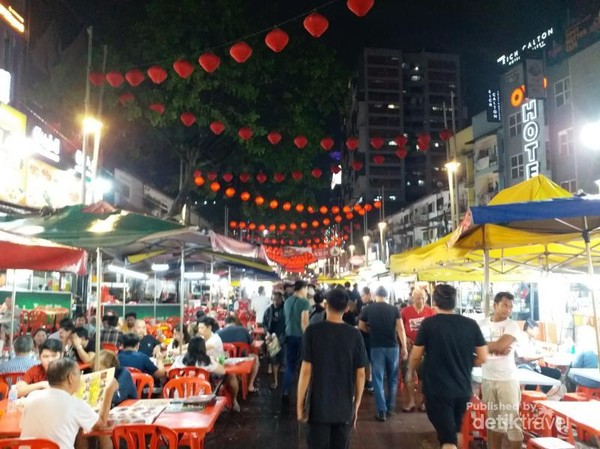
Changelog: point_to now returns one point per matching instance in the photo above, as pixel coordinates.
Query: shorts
(502, 399)
(446, 414)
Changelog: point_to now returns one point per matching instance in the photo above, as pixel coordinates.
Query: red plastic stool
(575, 397)
(548, 443)
(532, 395)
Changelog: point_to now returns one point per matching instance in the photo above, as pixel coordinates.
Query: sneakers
(369, 386)
(390, 413)
(380, 416)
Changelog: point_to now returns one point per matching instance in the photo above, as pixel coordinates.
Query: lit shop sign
(79, 164)
(531, 136)
(5, 86)
(12, 17)
(534, 44)
(494, 111)
(46, 144)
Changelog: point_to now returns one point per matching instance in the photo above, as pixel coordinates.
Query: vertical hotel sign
(531, 137)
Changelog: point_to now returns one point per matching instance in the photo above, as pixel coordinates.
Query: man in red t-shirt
(412, 317)
(35, 377)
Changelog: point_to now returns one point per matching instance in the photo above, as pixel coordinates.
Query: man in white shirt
(500, 384)
(55, 414)
(260, 304)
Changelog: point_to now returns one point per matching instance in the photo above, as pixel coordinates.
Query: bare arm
(481, 353)
(303, 381)
(402, 336)
(359, 386)
(363, 326)
(304, 320)
(502, 345)
(160, 372)
(23, 388)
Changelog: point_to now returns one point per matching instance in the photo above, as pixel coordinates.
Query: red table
(242, 369)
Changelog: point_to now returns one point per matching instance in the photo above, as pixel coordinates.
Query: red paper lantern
(245, 133)
(293, 226)
(274, 137)
(282, 227)
(240, 52)
(299, 208)
(310, 209)
(300, 142)
(335, 210)
(401, 140)
(308, 241)
(338, 218)
(157, 74)
(316, 24)
(252, 226)
(357, 207)
(423, 141)
(277, 40)
(286, 206)
(126, 97)
(368, 207)
(198, 180)
(211, 175)
(244, 177)
(377, 204)
(135, 77)
(377, 142)
(209, 62)
(352, 143)
(379, 159)
(197, 173)
(233, 224)
(259, 200)
(272, 228)
(360, 7)
(183, 68)
(273, 204)
(445, 135)
(261, 227)
(242, 225)
(326, 221)
(115, 79)
(217, 127)
(401, 153)
(227, 177)
(261, 178)
(316, 172)
(315, 224)
(215, 186)
(357, 165)
(245, 196)
(297, 175)
(303, 225)
(335, 169)
(323, 209)
(159, 108)
(229, 192)
(346, 209)
(188, 119)
(327, 143)
(279, 177)
(349, 215)
(96, 78)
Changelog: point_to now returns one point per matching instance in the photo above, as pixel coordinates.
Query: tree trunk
(183, 194)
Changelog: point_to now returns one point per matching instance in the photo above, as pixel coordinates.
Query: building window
(125, 191)
(565, 142)
(562, 91)
(516, 166)
(514, 124)
(570, 185)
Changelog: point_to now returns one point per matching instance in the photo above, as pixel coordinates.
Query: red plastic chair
(473, 423)
(39, 319)
(145, 436)
(32, 443)
(242, 349)
(173, 321)
(230, 349)
(110, 347)
(186, 387)
(141, 381)
(11, 378)
(189, 371)
(4, 389)
(132, 370)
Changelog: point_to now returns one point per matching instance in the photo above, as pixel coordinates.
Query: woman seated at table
(127, 390)
(529, 353)
(180, 339)
(39, 337)
(586, 357)
(197, 356)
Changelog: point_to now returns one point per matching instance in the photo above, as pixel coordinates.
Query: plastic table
(588, 373)
(242, 369)
(585, 415)
(525, 376)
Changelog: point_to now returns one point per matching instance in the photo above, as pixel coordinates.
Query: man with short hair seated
(56, 415)
(35, 377)
(132, 357)
(232, 333)
(22, 360)
(111, 334)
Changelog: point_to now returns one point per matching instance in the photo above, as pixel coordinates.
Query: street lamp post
(93, 126)
(366, 242)
(452, 168)
(382, 225)
(352, 248)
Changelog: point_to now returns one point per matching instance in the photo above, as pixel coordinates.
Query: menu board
(142, 412)
(93, 387)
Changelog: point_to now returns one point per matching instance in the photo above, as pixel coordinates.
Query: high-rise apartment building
(395, 93)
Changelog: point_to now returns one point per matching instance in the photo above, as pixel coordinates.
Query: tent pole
(486, 282)
(181, 293)
(98, 306)
(590, 265)
(210, 283)
(124, 290)
(155, 299)
(12, 312)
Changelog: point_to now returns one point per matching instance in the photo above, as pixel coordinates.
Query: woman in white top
(207, 328)
(197, 356)
(180, 339)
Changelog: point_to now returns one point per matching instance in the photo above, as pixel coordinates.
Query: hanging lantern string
(243, 38)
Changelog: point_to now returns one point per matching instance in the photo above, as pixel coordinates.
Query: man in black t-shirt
(449, 341)
(333, 362)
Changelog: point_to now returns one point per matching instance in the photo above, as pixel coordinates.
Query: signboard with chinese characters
(494, 106)
(536, 43)
(46, 144)
(578, 36)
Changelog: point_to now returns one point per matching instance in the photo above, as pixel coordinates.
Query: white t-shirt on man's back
(500, 367)
(55, 415)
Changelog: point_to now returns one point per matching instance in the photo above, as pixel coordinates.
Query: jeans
(384, 363)
(292, 355)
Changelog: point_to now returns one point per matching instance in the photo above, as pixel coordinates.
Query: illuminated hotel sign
(536, 43)
(494, 109)
(46, 144)
(12, 17)
(531, 136)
